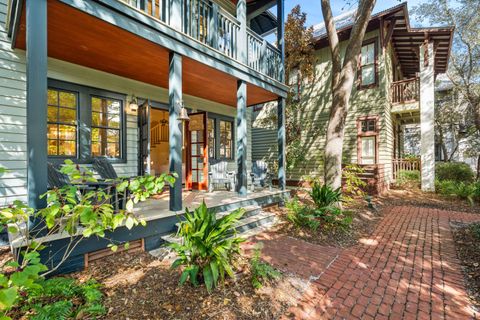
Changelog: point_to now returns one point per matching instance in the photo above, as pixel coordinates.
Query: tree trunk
(342, 83)
(478, 167)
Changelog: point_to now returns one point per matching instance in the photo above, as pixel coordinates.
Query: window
(211, 138)
(106, 127)
(62, 123)
(367, 68)
(84, 122)
(368, 125)
(226, 140)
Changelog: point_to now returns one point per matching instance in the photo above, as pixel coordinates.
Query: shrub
(454, 171)
(208, 246)
(301, 215)
(408, 179)
(462, 190)
(324, 196)
(353, 185)
(262, 272)
(62, 298)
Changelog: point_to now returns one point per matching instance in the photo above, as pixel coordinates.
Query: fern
(59, 310)
(262, 272)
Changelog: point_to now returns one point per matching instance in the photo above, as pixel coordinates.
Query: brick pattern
(407, 269)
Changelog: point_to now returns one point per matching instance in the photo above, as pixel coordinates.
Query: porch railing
(263, 56)
(405, 165)
(405, 90)
(213, 26)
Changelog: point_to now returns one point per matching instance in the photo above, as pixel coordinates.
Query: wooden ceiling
(82, 39)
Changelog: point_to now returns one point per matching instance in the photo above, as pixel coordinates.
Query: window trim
(360, 86)
(84, 121)
(217, 118)
(361, 134)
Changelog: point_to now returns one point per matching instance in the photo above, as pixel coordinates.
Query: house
(112, 78)
(394, 88)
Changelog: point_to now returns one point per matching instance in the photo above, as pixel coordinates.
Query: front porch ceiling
(79, 38)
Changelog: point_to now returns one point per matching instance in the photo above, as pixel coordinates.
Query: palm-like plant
(208, 246)
(325, 196)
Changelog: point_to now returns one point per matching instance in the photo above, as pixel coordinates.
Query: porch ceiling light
(133, 104)
(183, 116)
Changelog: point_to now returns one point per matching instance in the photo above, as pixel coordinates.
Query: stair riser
(247, 214)
(254, 224)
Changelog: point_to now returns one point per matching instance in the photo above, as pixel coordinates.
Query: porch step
(254, 220)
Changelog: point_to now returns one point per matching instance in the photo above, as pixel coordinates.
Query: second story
(389, 63)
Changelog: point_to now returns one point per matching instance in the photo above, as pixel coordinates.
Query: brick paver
(407, 269)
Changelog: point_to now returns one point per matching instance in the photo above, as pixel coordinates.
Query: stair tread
(224, 213)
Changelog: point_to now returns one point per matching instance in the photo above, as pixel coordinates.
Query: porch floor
(158, 207)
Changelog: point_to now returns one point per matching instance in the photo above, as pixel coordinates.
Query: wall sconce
(133, 104)
(183, 115)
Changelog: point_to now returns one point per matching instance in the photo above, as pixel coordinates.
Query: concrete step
(257, 222)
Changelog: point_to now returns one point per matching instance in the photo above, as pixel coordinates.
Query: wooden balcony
(214, 27)
(405, 91)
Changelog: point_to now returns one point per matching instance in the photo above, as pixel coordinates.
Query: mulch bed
(363, 224)
(139, 286)
(467, 244)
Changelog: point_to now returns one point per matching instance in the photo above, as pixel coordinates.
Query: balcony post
(213, 27)
(281, 138)
(175, 132)
(175, 14)
(36, 34)
(241, 186)
(281, 37)
(242, 50)
(427, 111)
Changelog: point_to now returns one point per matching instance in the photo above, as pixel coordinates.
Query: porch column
(241, 186)
(242, 50)
(281, 36)
(427, 112)
(281, 138)
(175, 130)
(36, 34)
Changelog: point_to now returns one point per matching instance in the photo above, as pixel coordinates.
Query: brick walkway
(406, 270)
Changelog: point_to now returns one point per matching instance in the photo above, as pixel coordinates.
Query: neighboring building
(71, 84)
(394, 87)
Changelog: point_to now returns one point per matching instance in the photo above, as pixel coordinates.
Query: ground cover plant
(455, 179)
(408, 179)
(261, 271)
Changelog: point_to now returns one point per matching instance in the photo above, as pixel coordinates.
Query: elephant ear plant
(208, 246)
(74, 210)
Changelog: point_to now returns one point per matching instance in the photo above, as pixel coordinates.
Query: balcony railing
(211, 25)
(399, 165)
(405, 91)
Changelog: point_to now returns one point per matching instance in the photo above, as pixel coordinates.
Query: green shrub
(454, 171)
(324, 195)
(301, 215)
(262, 272)
(462, 190)
(62, 298)
(208, 246)
(353, 185)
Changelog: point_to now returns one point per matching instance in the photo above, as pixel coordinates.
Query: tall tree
(464, 64)
(343, 75)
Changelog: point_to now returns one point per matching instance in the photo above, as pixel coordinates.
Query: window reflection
(62, 123)
(106, 127)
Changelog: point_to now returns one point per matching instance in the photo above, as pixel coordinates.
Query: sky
(314, 11)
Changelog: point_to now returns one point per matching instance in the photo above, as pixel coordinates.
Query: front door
(197, 152)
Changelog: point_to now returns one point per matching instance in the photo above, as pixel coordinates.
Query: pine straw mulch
(364, 222)
(140, 286)
(467, 243)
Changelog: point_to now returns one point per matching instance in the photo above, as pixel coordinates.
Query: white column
(427, 113)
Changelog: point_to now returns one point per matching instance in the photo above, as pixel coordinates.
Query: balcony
(214, 27)
(405, 99)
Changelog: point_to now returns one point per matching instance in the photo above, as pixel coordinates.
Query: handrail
(405, 90)
(210, 24)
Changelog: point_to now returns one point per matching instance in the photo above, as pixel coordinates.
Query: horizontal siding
(13, 145)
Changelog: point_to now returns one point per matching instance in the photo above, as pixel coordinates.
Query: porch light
(133, 104)
(183, 116)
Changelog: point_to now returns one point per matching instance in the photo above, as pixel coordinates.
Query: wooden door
(197, 152)
(144, 138)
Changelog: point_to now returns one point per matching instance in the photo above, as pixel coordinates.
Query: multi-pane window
(211, 138)
(368, 125)
(106, 117)
(62, 123)
(367, 64)
(226, 139)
